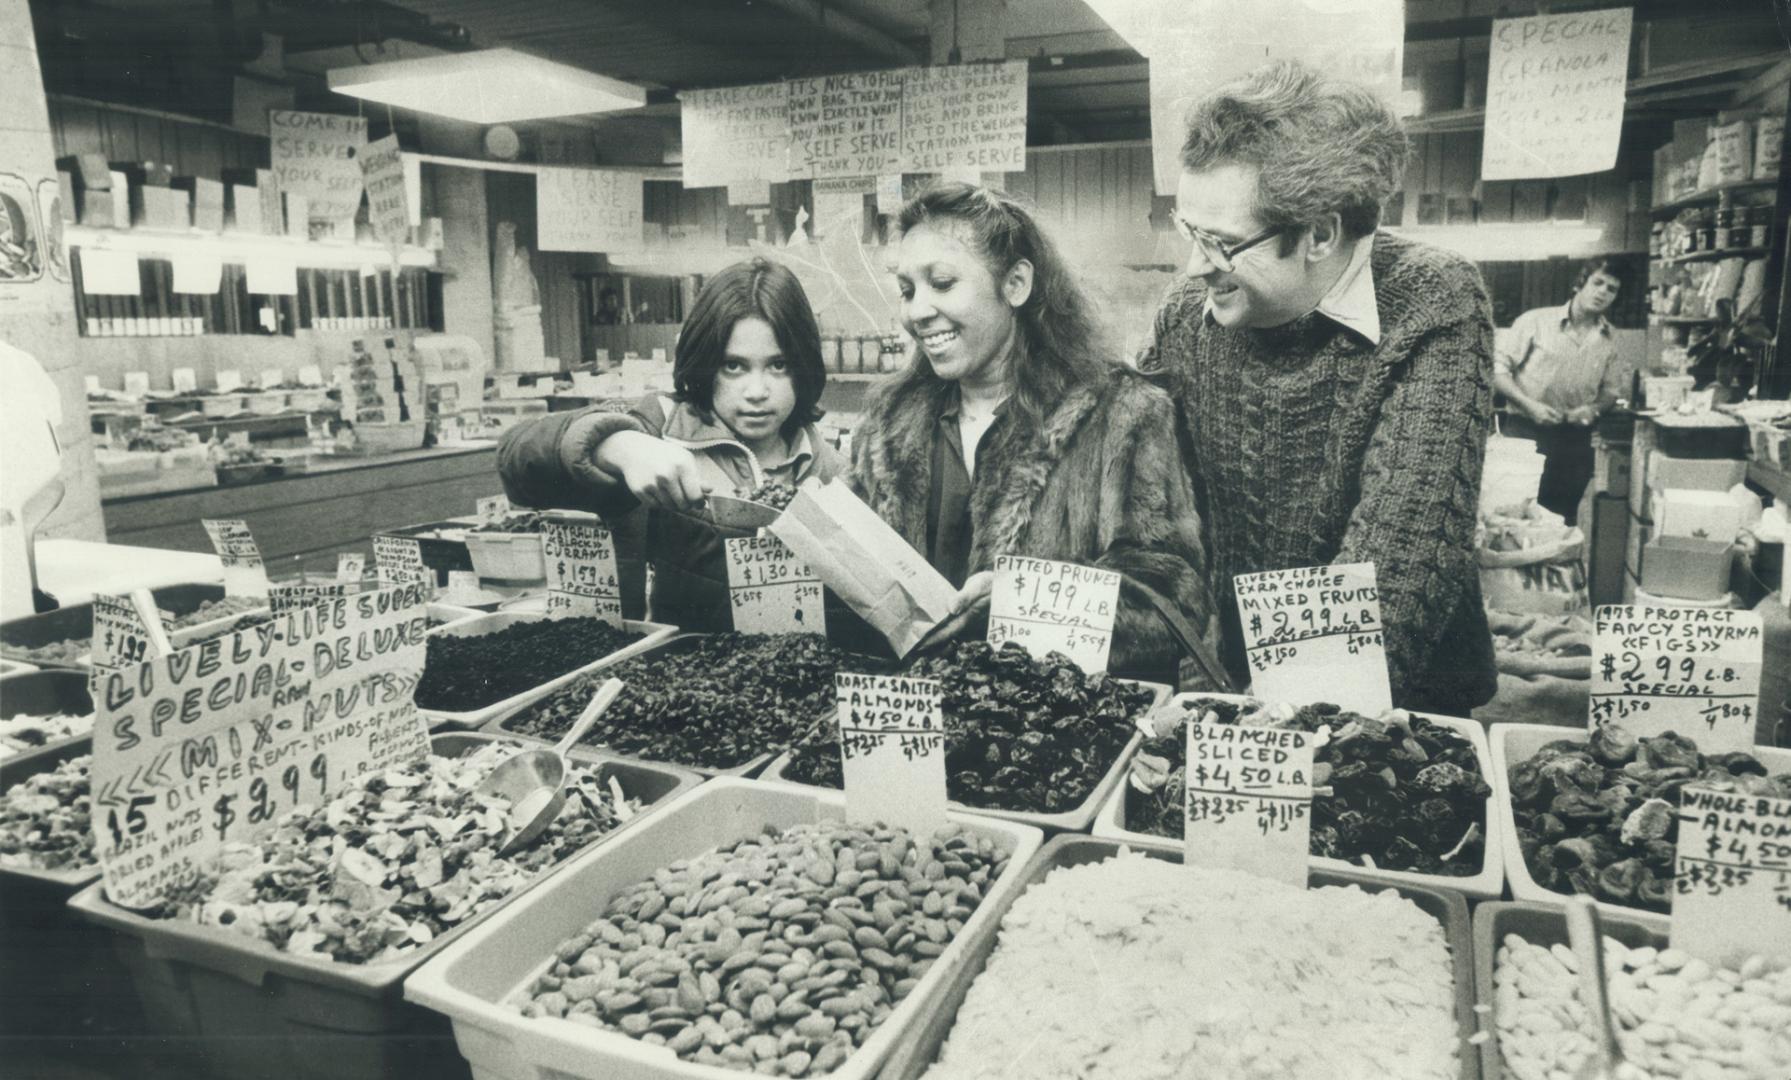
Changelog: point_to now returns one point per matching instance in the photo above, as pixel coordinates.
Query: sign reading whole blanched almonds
(1732, 875)
(213, 743)
(779, 954)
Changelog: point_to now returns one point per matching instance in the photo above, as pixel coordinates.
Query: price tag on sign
(350, 567)
(288, 598)
(493, 509)
(1732, 876)
(1057, 607)
(127, 630)
(771, 590)
(210, 745)
(892, 750)
(1314, 634)
(399, 560)
(244, 572)
(581, 572)
(1695, 671)
(1249, 799)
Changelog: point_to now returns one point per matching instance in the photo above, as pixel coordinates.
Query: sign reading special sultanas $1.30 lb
(581, 572)
(892, 750)
(211, 744)
(1315, 634)
(1050, 606)
(1693, 671)
(771, 590)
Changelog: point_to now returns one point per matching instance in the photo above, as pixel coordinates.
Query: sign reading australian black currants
(211, 744)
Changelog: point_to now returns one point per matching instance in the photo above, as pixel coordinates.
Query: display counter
(301, 521)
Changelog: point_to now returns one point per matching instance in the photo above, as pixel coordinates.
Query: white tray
(471, 979)
(1514, 744)
(491, 623)
(1488, 884)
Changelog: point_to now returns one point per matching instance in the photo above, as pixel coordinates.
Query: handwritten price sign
(244, 572)
(399, 561)
(1249, 799)
(1315, 633)
(122, 635)
(1695, 671)
(1057, 607)
(892, 747)
(1732, 876)
(581, 572)
(771, 590)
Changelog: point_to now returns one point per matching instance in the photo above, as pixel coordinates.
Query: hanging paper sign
(269, 276)
(185, 380)
(212, 744)
(127, 630)
(1314, 634)
(970, 116)
(1249, 800)
(197, 273)
(848, 125)
(399, 560)
(735, 133)
(1057, 607)
(1732, 876)
(1555, 88)
(317, 156)
(229, 381)
(350, 567)
(244, 572)
(136, 383)
(581, 572)
(1694, 671)
(892, 750)
(588, 210)
(388, 207)
(493, 509)
(109, 273)
(771, 590)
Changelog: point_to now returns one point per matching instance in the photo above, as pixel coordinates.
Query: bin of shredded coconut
(1124, 964)
(1676, 1016)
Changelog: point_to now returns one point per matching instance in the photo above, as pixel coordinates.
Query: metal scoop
(1587, 937)
(534, 781)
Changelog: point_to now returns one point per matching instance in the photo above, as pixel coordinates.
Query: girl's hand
(972, 600)
(657, 473)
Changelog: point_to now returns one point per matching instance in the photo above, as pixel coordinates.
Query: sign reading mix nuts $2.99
(1694, 671)
(1249, 800)
(1732, 876)
(892, 750)
(581, 572)
(209, 745)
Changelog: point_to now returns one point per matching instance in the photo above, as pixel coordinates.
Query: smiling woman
(1011, 433)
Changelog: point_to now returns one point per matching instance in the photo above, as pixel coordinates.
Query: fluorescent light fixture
(491, 86)
(1509, 241)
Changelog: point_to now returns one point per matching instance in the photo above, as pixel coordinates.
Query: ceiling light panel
(491, 86)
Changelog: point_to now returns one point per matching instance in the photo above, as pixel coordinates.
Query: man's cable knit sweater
(1309, 446)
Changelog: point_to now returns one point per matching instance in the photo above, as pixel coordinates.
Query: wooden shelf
(1705, 198)
(1714, 255)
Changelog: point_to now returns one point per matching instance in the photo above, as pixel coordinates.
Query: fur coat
(1100, 483)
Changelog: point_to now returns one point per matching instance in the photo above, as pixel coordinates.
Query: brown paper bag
(866, 562)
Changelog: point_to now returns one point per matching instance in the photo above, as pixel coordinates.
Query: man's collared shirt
(1557, 366)
(1350, 303)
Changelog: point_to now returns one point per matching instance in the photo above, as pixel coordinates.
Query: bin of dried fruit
(1113, 963)
(771, 493)
(60, 637)
(1038, 741)
(1404, 797)
(745, 929)
(223, 610)
(1675, 1015)
(43, 709)
(44, 826)
(478, 669)
(306, 937)
(717, 703)
(1595, 813)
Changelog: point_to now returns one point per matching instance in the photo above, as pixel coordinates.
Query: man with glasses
(1334, 382)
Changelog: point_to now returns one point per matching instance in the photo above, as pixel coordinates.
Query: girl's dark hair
(755, 288)
(1060, 341)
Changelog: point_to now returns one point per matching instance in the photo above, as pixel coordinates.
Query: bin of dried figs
(1396, 792)
(1597, 815)
(714, 702)
(465, 672)
(1023, 735)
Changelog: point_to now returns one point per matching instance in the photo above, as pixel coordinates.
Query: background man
(1560, 369)
(1334, 383)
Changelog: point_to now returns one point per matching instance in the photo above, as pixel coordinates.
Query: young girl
(748, 375)
(1010, 433)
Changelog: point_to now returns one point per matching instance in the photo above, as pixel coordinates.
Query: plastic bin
(1514, 744)
(488, 624)
(471, 981)
(508, 556)
(253, 1011)
(1077, 820)
(1539, 924)
(1488, 883)
(46, 693)
(919, 1048)
(76, 620)
(681, 643)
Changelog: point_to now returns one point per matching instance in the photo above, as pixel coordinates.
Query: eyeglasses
(1223, 256)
